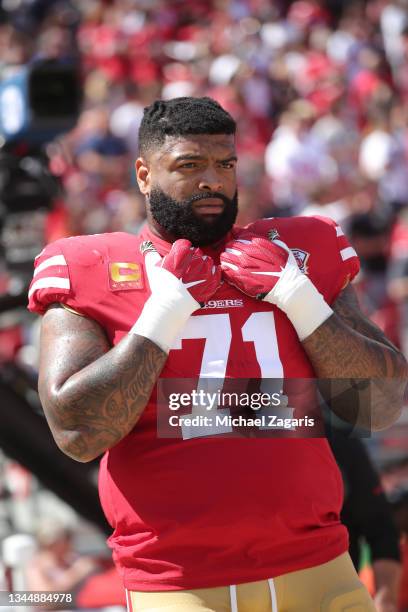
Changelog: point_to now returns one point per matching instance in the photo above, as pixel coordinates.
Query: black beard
(179, 219)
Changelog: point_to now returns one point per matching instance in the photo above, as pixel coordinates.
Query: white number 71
(259, 328)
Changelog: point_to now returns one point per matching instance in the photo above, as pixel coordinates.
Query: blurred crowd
(319, 90)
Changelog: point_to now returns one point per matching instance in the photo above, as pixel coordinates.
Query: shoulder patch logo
(301, 259)
(124, 276)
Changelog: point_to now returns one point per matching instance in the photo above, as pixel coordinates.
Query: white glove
(179, 283)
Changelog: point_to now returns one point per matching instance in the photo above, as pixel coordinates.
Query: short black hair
(182, 117)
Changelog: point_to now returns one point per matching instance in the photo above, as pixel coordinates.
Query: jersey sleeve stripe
(339, 231)
(56, 260)
(50, 281)
(348, 253)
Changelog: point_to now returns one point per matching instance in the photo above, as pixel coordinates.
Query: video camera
(37, 103)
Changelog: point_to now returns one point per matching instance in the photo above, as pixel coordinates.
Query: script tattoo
(93, 394)
(348, 346)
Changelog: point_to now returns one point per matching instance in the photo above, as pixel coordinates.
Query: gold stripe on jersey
(71, 310)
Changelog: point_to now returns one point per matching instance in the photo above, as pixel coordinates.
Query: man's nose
(210, 180)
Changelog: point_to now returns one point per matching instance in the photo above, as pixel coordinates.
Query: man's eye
(228, 165)
(188, 165)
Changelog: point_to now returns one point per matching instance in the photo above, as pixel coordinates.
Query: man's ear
(143, 175)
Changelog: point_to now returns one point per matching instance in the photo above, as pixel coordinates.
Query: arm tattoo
(348, 346)
(92, 394)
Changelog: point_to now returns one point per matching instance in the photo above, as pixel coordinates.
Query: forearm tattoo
(92, 394)
(347, 346)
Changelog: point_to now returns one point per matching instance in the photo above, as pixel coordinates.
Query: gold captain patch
(125, 275)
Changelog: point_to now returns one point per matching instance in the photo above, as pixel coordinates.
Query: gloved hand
(267, 270)
(179, 282)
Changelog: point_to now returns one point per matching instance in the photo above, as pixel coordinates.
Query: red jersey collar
(163, 247)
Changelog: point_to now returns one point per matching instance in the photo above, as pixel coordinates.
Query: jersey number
(259, 328)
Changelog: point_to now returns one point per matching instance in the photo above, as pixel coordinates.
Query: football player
(208, 522)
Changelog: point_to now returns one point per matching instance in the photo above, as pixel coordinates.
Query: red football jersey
(209, 511)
